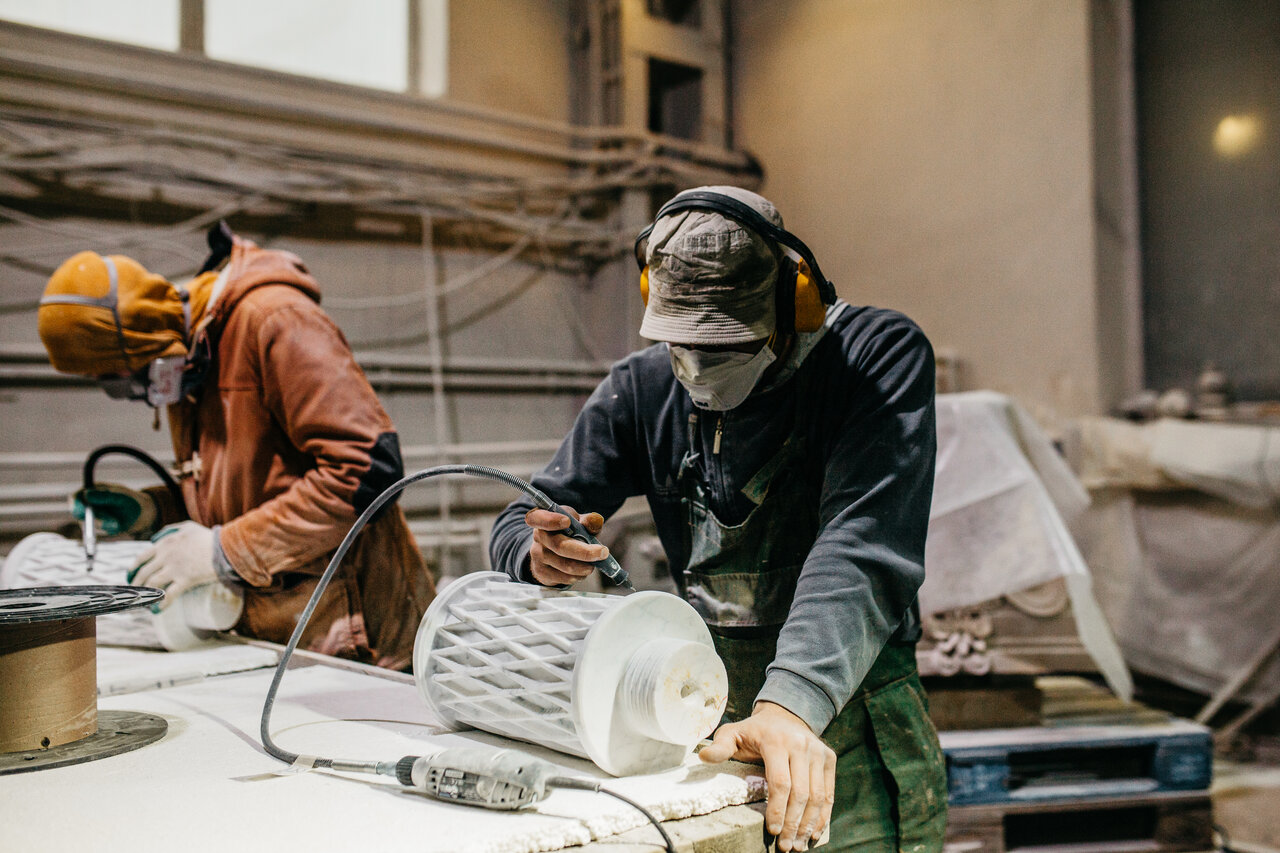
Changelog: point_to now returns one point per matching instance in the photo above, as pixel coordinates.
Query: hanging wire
(453, 285)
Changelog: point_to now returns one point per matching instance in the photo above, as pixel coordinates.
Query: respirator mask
(159, 383)
(720, 380)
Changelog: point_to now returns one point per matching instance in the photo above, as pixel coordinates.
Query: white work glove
(180, 559)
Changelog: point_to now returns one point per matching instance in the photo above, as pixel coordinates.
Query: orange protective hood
(109, 315)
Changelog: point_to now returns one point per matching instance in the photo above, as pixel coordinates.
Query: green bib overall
(890, 777)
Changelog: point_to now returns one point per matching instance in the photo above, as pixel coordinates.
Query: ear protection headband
(803, 291)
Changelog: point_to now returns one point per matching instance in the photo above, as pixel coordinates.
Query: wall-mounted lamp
(1237, 135)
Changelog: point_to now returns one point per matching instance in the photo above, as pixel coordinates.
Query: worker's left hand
(180, 558)
(799, 768)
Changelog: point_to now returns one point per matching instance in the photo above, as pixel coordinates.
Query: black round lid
(50, 603)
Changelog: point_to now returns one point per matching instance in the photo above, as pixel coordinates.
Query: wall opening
(675, 99)
(146, 23)
(686, 13)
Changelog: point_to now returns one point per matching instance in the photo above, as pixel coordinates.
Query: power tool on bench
(490, 778)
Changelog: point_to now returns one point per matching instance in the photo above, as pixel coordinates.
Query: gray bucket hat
(711, 279)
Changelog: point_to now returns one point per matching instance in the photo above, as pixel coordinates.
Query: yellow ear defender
(810, 290)
(811, 313)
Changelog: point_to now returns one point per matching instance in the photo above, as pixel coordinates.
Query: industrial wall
(511, 55)
(939, 159)
(537, 321)
(524, 335)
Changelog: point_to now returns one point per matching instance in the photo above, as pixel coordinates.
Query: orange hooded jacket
(282, 445)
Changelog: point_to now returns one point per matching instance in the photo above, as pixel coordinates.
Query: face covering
(160, 383)
(166, 379)
(719, 381)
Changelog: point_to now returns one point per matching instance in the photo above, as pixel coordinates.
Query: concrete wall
(518, 313)
(1119, 329)
(511, 55)
(938, 158)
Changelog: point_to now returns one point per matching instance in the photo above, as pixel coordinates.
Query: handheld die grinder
(475, 776)
(609, 566)
(500, 779)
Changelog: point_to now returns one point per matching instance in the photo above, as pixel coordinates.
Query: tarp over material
(1003, 501)
(1184, 541)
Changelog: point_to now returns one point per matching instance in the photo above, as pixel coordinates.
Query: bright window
(362, 42)
(148, 23)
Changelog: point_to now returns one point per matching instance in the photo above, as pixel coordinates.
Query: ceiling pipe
(35, 354)
(382, 379)
(42, 460)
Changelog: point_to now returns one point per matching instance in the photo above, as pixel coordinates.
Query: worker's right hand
(117, 509)
(556, 559)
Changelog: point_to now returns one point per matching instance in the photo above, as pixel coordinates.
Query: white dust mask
(719, 381)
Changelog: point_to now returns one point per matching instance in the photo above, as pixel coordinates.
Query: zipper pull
(715, 447)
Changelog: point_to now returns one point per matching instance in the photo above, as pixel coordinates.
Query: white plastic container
(47, 559)
(630, 682)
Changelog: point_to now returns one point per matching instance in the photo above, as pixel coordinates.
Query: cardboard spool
(48, 665)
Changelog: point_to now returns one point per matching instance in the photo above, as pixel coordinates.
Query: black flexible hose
(585, 785)
(394, 489)
(91, 462)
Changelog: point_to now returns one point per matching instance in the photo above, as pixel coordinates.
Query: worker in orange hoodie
(279, 439)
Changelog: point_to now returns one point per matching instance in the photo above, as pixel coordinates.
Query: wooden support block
(983, 702)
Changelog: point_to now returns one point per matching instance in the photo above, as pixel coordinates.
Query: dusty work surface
(736, 829)
(208, 784)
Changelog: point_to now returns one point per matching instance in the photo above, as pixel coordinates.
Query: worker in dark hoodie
(280, 442)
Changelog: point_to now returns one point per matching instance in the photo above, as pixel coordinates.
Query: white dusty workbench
(208, 784)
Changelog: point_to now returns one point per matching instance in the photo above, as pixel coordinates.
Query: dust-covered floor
(1246, 805)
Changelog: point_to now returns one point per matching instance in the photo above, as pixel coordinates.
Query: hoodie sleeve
(594, 470)
(318, 396)
(867, 563)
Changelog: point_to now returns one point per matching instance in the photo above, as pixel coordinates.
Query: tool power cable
(518, 779)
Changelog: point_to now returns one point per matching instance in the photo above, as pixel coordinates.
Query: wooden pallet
(1074, 701)
(1046, 763)
(1154, 823)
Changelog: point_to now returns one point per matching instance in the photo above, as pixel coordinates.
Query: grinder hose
(91, 462)
(394, 489)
